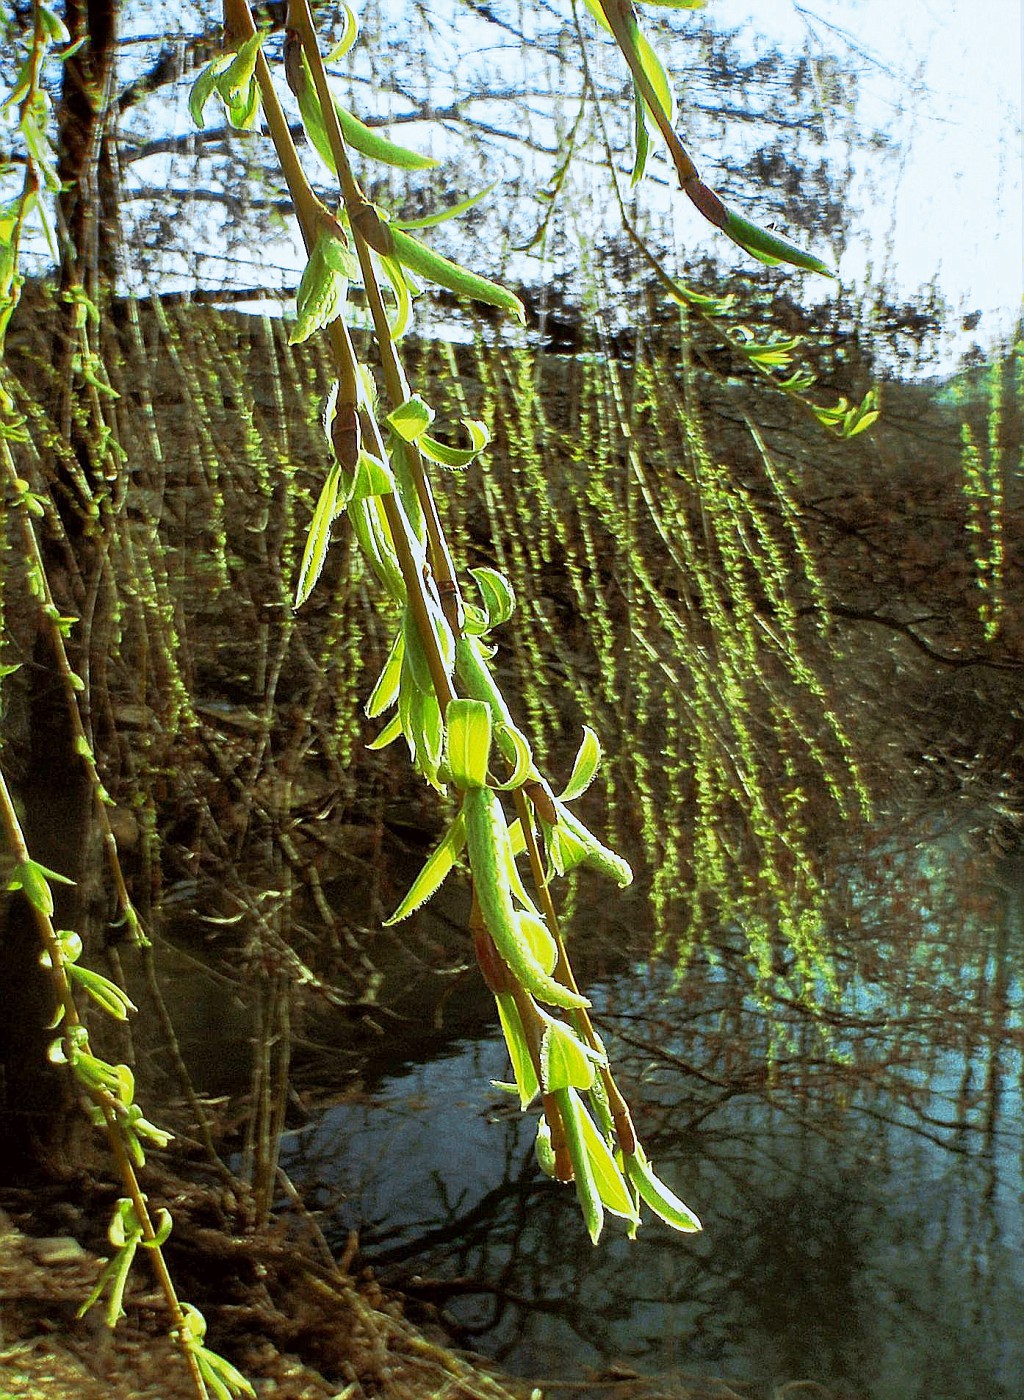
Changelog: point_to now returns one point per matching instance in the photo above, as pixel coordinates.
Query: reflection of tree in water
(797, 1264)
(858, 1189)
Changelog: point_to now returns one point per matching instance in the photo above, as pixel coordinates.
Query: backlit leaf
(469, 742)
(385, 692)
(391, 731)
(654, 1193)
(585, 766)
(456, 458)
(434, 872)
(611, 1184)
(518, 1050)
(319, 536)
(411, 418)
(563, 1061)
(586, 1185)
(496, 593)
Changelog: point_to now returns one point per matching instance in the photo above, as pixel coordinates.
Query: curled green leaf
(496, 594)
(469, 742)
(368, 141)
(442, 271)
(349, 34)
(456, 458)
(487, 842)
(654, 1193)
(768, 247)
(584, 768)
(516, 749)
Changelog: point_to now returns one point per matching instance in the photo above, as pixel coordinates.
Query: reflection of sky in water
(862, 1255)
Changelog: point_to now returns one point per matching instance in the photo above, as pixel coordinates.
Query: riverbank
(296, 1309)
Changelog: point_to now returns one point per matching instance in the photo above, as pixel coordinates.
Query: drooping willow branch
(450, 711)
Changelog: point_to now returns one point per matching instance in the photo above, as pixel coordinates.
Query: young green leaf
(404, 289)
(564, 1062)
(391, 731)
(469, 742)
(349, 34)
(514, 746)
(641, 138)
(599, 15)
(323, 290)
(768, 247)
(487, 842)
(411, 418)
(452, 212)
(593, 852)
(372, 477)
(542, 1148)
(496, 593)
(29, 877)
(134, 1119)
(106, 994)
(226, 1381)
(586, 1186)
(664, 1202)
(442, 271)
(120, 1268)
(584, 768)
(538, 936)
(385, 692)
(656, 75)
(53, 26)
(163, 1230)
(368, 141)
(319, 536)
(456, 458)
(70, 944)
(434, 872)
(611, 1185)
(518, 1050)
(234, 80)
(204, 86)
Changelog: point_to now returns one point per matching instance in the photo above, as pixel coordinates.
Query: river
(862, 1198)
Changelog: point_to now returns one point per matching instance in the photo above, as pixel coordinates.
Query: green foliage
(983, 468)
(707, 664)
(323, 290)
(360, 137)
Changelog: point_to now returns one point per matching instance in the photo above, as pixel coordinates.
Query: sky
(944, 78)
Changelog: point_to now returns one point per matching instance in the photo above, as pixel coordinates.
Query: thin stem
(108, 1106)
(301, 21)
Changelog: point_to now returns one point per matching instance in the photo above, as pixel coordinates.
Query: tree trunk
(87, 161)
(39, 1116)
